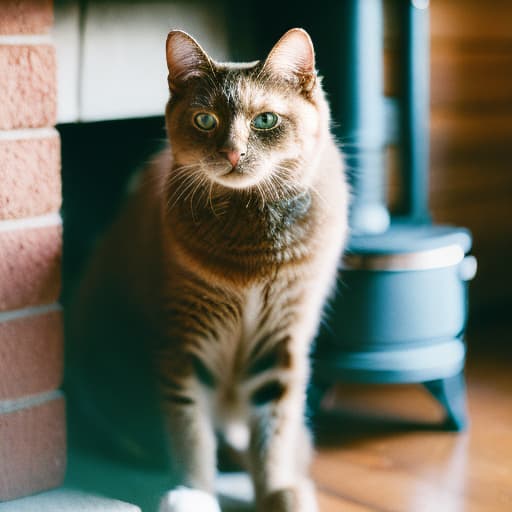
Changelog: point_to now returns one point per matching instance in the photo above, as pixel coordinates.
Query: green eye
(265, 121)
(205, 121)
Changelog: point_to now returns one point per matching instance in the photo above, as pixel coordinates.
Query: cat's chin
(235, 180)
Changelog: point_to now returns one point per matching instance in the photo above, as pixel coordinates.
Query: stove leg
(451, 394)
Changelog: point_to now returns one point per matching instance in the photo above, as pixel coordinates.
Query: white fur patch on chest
(251, 311)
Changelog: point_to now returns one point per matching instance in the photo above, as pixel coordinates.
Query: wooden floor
(378, 448)
(371, 457)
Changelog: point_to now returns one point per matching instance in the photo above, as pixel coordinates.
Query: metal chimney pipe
(361, 111)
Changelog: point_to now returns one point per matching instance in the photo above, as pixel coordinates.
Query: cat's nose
(232, 155)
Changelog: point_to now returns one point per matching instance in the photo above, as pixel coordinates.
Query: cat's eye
(205, 121)
(265, 121)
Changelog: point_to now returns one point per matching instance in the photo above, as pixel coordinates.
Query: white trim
(26, 39)
(7, 406)
(43, 221)
(7, 316)
(421, 260)
(28, 133)
(447, 353)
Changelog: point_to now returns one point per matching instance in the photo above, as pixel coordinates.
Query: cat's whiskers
(260, 187)
(175, 182)
(199, 187)
(269, 186)
(300, 161)
(183, 173)
(212, 166)
(274, 188)
(283, 185)
(302, 189)
(315, 191)
(178, 181)
(205, 185)
(177, 171)
(184, 187)
(210, 201)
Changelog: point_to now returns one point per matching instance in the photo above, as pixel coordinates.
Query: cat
(218, 267)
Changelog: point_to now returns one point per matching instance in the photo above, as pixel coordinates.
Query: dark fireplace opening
(98, 160)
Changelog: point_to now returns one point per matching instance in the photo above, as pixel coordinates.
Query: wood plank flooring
(378, 449)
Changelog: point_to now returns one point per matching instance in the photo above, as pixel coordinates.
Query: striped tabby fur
(221, 271)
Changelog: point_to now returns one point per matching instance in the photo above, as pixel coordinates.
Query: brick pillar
(32, 422)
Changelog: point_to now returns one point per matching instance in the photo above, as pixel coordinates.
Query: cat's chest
(245, 242)
(243, 340)
(252, 307)
(267, 314)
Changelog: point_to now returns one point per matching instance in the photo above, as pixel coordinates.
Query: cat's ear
(293, 57)
(185, 59)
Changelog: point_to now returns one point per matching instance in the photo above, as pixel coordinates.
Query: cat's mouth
(237, 176)
(236, 171)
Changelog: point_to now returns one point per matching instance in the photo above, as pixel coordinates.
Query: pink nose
(232, 156)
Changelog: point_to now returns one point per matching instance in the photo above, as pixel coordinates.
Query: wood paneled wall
(471, 131)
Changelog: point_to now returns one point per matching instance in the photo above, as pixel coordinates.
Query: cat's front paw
(294, 499)
(184, 499)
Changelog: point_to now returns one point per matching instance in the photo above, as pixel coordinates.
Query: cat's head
(259, 124)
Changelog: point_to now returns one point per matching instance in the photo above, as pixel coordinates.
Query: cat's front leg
(193, 454)
(280, 453)
(298, 498)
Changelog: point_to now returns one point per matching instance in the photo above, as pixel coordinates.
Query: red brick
(31, 355)
(30, 177)
(25, 16)
(30, 266)
(32, 449)
(28, 86)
